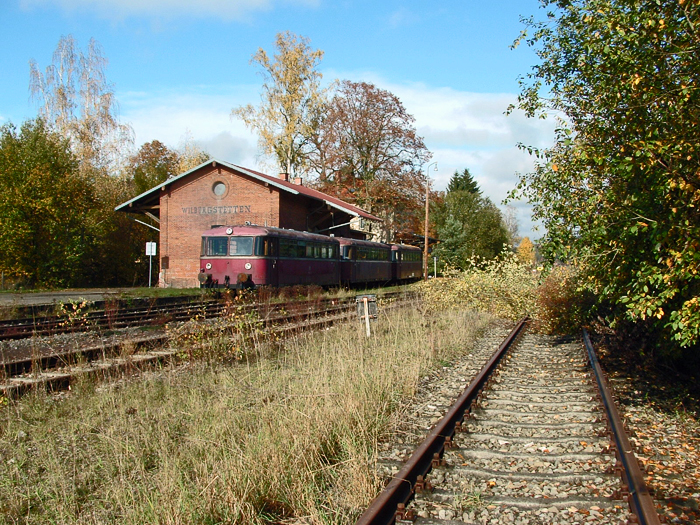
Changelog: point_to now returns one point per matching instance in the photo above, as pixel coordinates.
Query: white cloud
(203, 113)
(463, 130)
(471, 130)
(225, 9)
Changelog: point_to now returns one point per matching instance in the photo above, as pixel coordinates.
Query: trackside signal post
(150, 251)
(367, 309)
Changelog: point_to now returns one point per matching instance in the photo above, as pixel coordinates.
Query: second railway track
(55, 363)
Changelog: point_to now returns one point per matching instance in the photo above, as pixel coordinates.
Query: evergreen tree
(468, 225)
(463, 182)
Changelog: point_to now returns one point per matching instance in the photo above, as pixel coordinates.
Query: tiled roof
(295, 189)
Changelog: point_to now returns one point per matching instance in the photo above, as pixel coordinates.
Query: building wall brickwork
(218, 194)
(293, 211)
(191, 205)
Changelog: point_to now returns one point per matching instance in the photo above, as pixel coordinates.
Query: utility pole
(427, 216)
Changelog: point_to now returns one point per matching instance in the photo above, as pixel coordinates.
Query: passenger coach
(364, 262)
(249, 256)
(407, 263)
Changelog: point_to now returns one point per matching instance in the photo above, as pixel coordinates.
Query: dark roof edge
(268, 179)
(185, 174)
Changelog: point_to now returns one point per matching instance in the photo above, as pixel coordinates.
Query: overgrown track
(526, 442)
(111, 316)
(114, 317)
(54, 365)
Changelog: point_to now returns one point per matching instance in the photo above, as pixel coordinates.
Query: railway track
(119, 316)
(533, 439)
(109, 317)
(54, 362)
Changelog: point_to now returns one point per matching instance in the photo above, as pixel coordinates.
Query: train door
(270, 252)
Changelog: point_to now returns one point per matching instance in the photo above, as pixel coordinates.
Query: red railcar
(364, 261)
(407, 263)
(249, 256)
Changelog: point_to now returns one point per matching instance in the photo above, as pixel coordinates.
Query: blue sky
(178, 68)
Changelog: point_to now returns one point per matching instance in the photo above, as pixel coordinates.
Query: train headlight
(208, 266)
(229, 231)
(248, 266)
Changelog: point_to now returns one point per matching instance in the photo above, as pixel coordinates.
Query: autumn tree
(367, 151)
(467, 224)
(510, 221)
(619, 191)
(190, 155)
(152, 164)
(526, 251)
(44, 207)
(291, 101)
(76, 100)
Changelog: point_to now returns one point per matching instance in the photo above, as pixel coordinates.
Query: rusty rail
(639, 499)
(382, 511)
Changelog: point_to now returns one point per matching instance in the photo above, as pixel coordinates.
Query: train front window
(216, 246)
(241, 246)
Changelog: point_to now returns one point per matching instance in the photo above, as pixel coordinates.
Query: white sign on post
(150, 251)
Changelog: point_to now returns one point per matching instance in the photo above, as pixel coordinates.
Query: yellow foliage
(503, 287)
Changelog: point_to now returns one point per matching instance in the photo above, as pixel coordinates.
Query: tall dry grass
(287, 438)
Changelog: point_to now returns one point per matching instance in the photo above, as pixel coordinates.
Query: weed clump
(504, 287)
(563, 306)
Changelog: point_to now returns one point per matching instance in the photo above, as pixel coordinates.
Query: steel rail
(640, 501)
(382, 511)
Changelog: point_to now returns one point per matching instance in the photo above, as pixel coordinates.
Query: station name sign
(215, 210)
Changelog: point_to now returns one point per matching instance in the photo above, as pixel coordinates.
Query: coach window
(265, 246)
(301, 248)
(287, 248)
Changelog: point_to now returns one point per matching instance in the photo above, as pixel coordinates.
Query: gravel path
(530, 453)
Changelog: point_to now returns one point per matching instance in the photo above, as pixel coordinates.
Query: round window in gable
(219, 189)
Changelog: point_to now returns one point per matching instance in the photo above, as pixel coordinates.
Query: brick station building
(217, 193)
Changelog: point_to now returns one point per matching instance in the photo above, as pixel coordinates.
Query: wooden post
(366, 301)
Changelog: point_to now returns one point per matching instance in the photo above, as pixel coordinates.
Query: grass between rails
(288, 434)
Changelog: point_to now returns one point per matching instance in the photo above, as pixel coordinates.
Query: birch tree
(291, 101)
(76, 100)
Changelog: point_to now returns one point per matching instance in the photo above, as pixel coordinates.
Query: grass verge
(287, 434)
